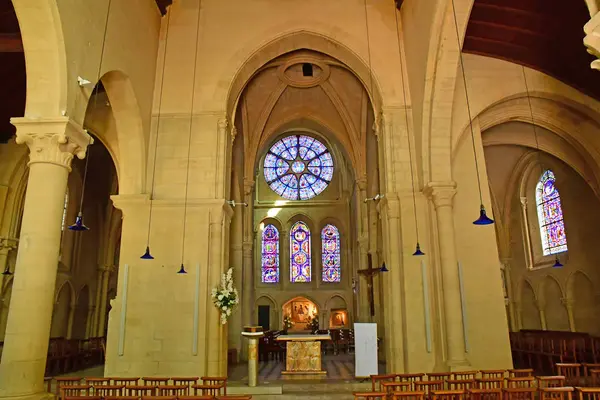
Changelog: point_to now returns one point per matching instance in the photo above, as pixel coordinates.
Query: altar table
(303, 354)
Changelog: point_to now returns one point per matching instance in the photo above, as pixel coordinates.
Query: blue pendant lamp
(7, 271)
(557, 263)
(483, 218)
(418, 251)
(147, 255)
(383, 268)
(79, 226)
(187, 176)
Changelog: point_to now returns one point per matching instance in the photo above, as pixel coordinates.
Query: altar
(303, 354)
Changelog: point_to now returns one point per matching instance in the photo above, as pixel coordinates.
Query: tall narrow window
(300, 253)
(550, 215)
(270, 255)
(330, 250)
(65, 207)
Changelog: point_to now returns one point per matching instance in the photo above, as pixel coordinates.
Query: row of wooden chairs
(552, 393)
(207, 397)
(151, 386)
(69, 355)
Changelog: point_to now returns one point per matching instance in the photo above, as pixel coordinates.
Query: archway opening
(300, 311)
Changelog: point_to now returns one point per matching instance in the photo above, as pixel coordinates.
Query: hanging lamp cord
(187, 176)
(94, 107)
(369, 53)
(162, 82)
(464, 75)
(412, 175)
(535, 133)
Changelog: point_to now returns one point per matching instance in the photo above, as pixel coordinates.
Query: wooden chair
(97, 381)
(520, 382)
(518, 373)
(493, 373)
(556, 393)
(125, 381)
(74, 391)
(550, 381)
(588, 366)
(571, 372)
(186, 382)
(485, 394)
(392, 387)
(377, 379)
(588, 393)
(109, 390)
(465, 375)
(216, 380)
(594, 377)
(207, 390)
(448, 395)
(489, 383)
(238, 397)
(140, 390)
(460, 384)
(412, 378)
(196, 398)
(408, 396)
(439, 376)
(154, 381)
(519, 393)
(428, 387)
(159, 398)
(369, 395)
(48, 383)
(60, 382)
(172, 390)
(121, 398)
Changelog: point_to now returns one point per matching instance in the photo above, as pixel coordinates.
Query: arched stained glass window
(300, 263)
(270, 255)
(298, 167)
(550, 215)
(330, 249)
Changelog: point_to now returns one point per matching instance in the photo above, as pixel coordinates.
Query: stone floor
(338, 384)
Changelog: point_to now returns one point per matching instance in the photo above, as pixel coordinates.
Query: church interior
(345, 199)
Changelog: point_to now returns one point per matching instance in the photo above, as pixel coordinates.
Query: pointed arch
(270, 254)
(331, 254)
(300, 253)
(550, 215)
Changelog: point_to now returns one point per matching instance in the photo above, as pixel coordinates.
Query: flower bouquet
(225, 296)
(287, 323)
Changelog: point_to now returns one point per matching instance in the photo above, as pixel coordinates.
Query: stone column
(103, 300)
(541, 309)
(442, 195)
(72, 311)
(96, 317)
(52, 143)
(247, 285)
(216, 361)
(568, 303)
(364, 308)
(509, 292)
(89, 321)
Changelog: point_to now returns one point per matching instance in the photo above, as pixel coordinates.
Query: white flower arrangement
(225, 296)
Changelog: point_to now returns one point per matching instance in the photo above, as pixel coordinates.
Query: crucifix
(369, 273)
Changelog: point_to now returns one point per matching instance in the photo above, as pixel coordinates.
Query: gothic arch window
(298, 167)
(550, 215)
(330, 251)
(300, 263)
(270, 254)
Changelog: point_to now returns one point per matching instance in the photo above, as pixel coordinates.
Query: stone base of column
(458, 365)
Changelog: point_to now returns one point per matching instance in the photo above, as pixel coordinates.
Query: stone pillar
(216, 361)
(99, 273)
(442, 195)
(103, 301)
(509, 293)
(89, 321)
(541, 309)
(568, 303)
(72, 311)
(247, 284)
(364, 308)
(52, 143)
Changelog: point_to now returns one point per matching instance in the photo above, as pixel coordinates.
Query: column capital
(362, 183)
(7, 243)
(568, 303)
(248, 186)
(441, 193)
(52, 140)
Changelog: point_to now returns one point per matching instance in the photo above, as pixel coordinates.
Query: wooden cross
(369, 273)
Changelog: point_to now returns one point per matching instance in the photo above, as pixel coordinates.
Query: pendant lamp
(187, 176)
(147, 255)
(483, 218)
(557, 263)
(7, 271)
(418, 251)
(79, 226)
(383, 268)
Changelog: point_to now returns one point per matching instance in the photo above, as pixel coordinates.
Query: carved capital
(568, 303)
(233, 134)
(8, 244)
(390, 206)
(223, 125)
(52, 140)
(362, 183)
(248, 187)
(592, 39)
(441, 193)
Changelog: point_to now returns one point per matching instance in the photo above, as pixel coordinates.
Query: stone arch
(552, 295)
(244, 67)
(301, 297)
(131, 158)
(274, 320)
(528, 310)
(81, 313)
(64, 301)
(336, 306)
(45, 57)
(581, 292)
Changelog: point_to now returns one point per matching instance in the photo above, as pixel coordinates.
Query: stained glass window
(550, 215)
(298, 167)
(300, 253)
(270, 255)
(330, 249)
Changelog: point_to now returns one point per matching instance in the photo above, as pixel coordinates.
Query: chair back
(172, 390)
(140, 390)
(408, 396)
(109, 390)
(125, 381)
(489, 383)
(208, 390)
(377, 379)
(439, 376)
(448, 395)
(412, 378)
(516, 373)
(588, 393)
(519, 393)
(97, 381)
(429, 386)
(460, 384)
(391, 387)
(155, 381)
(550, 381)
(216, 380)
(493, 373)
(571, 372)
(369, 395)
(556, 393)
(485, 394)
(465, 375)
(520, 382)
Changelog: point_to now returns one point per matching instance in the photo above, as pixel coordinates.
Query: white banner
(365, 344)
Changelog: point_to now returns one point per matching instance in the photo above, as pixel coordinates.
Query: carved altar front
(303, 354)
